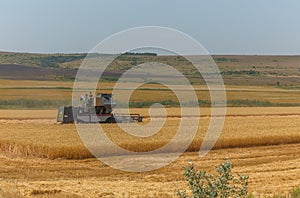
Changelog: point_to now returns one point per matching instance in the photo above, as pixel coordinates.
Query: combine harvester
(90, 113)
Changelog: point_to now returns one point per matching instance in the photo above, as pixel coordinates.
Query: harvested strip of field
(272, 170)
(27, 121)
(28, 114)
(231, 111)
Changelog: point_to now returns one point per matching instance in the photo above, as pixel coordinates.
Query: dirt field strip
(245, 115)
(204, 111)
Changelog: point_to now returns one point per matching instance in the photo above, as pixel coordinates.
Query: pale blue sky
(221, 26)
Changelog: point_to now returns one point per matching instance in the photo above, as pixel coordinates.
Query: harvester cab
(104, 103)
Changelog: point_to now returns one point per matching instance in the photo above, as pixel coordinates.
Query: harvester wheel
(140, 119)
(111, 120)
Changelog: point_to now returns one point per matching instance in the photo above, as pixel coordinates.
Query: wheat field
(52, 161)
(243, 127)
(40, 158)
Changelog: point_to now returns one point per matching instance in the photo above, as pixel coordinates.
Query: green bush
(296, 193)
(205, 185)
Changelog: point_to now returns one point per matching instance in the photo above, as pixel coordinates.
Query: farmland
(61, 141)
(236, 70)
(274, 173)
(50, 94)
(41, 158)
(60, 155)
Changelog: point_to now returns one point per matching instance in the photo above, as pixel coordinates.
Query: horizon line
(212, 54)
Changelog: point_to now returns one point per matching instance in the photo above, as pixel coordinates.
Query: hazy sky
(221, 26)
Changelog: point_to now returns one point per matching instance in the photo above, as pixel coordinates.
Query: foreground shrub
(296, 193)
(203, 184)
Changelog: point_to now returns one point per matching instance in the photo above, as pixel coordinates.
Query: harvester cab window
(106, 100)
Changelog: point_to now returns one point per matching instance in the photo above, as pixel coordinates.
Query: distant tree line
(140, 54)
(55, 60)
